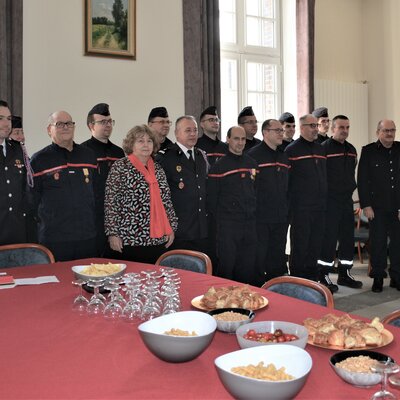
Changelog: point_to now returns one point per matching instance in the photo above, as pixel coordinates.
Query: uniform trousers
(385, 224)
(72, 250)
(306, 235)
(339, 227)
(271, 257)
(236, 250)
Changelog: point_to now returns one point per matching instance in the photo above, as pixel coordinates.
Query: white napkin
(31, 281)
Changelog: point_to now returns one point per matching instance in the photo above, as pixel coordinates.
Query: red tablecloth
(49, 352)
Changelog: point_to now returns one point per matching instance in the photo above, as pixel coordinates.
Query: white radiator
(347, 98)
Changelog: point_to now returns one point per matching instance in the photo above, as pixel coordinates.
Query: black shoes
(394, 284)
(326, 281)
(346, 279)
(377, 286)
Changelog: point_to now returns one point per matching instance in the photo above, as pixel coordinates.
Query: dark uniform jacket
(214, 149)
(188, 190)
(12, 194)
(166, 143)
(379, 177)
(307, 178)
(321, 139)
(284, 144)
(106, 154)
(271, 183)
(231, 194)
(251, 143)
(63, 193)
(341, 161)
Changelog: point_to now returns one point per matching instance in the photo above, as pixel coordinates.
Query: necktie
(191, 159)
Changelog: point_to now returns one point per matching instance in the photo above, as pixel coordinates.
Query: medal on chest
(86, 174)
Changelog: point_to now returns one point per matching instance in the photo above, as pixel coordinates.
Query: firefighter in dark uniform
(231, 200)
(272, 201)
(186, 170)
(101, 124)
(379, 192)
(63, 192)
(341, 161)
(289, 127)
(307, 200)
(248, 121)
(12, 184)
(322, 116)
(158, 120)
(209, 142)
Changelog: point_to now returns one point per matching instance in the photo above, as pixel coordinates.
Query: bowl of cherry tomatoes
(271, 333)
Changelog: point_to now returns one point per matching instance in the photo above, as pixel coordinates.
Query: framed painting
(110, 28)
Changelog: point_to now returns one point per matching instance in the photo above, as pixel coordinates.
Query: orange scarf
(159, 224)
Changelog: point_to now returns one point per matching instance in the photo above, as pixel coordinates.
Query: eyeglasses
(388, 130)
(61, 125)
(212, 120)
(250, 122)
(313, 126)
(276, 130)
(162, 122)
(105, 122)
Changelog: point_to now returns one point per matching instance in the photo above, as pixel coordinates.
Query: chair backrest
(189, 260)
(16, 255)
(301, 288)
(393, 318)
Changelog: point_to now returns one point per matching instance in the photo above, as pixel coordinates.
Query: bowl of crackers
(266, 372)
(354, 366)
(95, 272)
(178, 337)
(229, 319)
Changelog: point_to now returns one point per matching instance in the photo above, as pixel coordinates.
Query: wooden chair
(393, 318)
(189, 260)
(361, 232)
(21, 254)
(301, 288)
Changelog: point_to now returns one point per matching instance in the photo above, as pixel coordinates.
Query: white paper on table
(32, 281)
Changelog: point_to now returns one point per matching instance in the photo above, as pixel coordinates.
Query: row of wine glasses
(145, 295)
(386, 368)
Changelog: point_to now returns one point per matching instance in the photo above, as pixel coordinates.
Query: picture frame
(110, 28)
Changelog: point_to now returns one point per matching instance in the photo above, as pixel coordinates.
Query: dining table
(50, 352)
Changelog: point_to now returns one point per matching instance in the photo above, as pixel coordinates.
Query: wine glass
(96, 304)
(395, 380)
(113, 309)
(80, 302)
(384, 368)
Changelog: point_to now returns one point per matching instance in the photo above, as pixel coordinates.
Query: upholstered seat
(301, 288)
(392, 318)
(15, 255)
(186, 259)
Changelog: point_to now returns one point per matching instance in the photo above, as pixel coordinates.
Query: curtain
(11, 54)
(305, 20)
(201, 55)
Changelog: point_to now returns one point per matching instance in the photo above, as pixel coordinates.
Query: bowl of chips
(266, 372)
(98, 271)
(178, 337)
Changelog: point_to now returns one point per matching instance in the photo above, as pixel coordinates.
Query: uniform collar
(206, 137)
(100, 143)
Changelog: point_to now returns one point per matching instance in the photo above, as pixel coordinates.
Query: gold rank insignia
(86, 173)
(253, 173)
(181, 185)
(178, 168)
(18, 164)
(56, 176)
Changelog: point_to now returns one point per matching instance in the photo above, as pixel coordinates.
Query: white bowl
(178, 348)
(231, 326)
(77, 270)
(362, 379)
(297, 362)
(271, 326)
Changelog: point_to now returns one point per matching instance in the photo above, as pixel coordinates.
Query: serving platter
(77, 270)
(387, 337)
(196, 303)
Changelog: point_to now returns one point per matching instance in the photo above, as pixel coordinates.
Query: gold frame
(129, 45)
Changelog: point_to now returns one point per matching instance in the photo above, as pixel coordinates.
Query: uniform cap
(287, 117)
(212, 110)
(16, 122)
(101, 109)
(158, 112)
(246, 112)
(321, 112)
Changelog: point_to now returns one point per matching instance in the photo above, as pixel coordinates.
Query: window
(250, 59)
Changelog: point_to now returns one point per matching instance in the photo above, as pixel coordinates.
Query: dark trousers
(306, 235)
(236, 250)
(385, 224)
(143, 254)
(339, 227)
(271, 245)
(72, 250)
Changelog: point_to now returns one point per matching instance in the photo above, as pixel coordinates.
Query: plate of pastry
(342, 332)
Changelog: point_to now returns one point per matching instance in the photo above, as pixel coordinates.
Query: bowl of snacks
(98, 271)
(271, 333)
(354, 366)
(268, 372)
(229, 319)
(178, 337)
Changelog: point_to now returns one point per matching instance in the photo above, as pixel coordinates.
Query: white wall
(57, 75)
